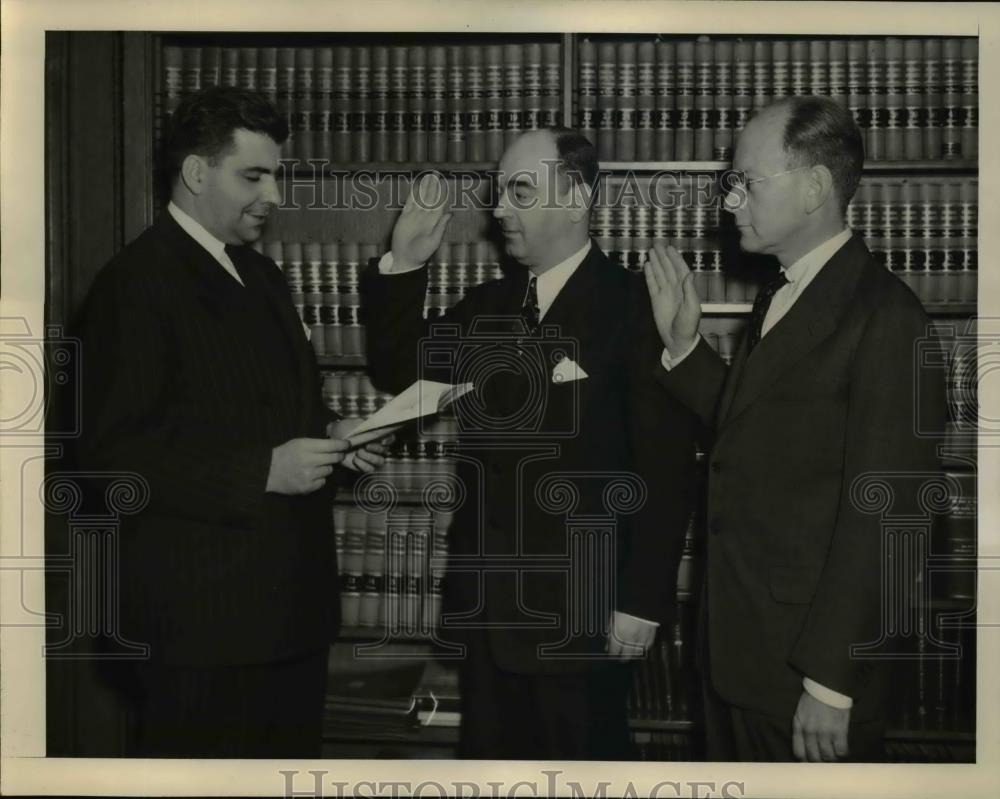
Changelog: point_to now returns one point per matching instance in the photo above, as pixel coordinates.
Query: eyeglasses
(737, 178)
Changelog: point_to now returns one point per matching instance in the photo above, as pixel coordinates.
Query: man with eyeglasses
(560, 351)
(821, 392)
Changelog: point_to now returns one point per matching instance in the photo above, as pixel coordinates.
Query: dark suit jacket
(189, 386)
(794, 569)
(520, 428)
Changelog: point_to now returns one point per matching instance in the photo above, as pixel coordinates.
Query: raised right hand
(420, 227)
(676, 307)
(301, 465)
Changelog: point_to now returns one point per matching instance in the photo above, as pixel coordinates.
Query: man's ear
(818, 188)
(193, 172)
(577, 202)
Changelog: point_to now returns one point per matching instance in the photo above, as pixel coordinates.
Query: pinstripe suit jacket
(189, 380)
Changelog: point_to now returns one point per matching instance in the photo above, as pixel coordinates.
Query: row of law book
(376, 103)
(688, 99)
(935, 689)
(391, 568)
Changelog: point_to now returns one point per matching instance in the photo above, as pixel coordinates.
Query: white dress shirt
(216, 248)
(799, 275)
(548, 286)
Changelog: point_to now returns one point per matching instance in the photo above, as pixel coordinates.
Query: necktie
(760, 306)
(529, 309)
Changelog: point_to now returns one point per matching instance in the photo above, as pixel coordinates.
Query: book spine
(312, 285)
(875, 71)
(267, 73)
(361, 106)
(905, 228)
(704, 102)
(533, 118)
(192, 70)
(475, 108)
(381, 120)
(622, 233)
(286, 95)
(247, 76)
(513, 93)
(894, 99)
(642, 232)
(552, 84)
(625, 112)
(211, 66)
(798, 68)
(722, 145)
(742, 86)
(762, 85)
(398, 100)
(951, 75)
(781, 85)
(607, 72)
(456, 104)
(373, 579)
(437, 104)
(494, 102)
(229, 73)
(395, 567)
(968, 233)
(929, 229)
(416, 558)
(417, 125)
(837, 59)
(173, 77)
(914, 113)
(666, 92)
(970, 98)
(329, 282)
(349, 313)
(352, 569)
(933, 101)
(645, 86)
(684, 102)
(857, 100)
(819, 67)
(303, 103)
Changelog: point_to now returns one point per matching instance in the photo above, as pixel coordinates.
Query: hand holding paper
(423, 398)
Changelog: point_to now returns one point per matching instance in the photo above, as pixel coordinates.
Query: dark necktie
(760, 306)
(529, 309)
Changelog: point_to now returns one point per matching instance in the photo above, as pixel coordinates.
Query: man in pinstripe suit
(199, 378)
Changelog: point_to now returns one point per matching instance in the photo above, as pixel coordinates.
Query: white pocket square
(566, 371)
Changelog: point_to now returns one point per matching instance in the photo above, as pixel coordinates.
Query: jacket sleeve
(662, 444)
(395, 328)
(696, 381)
(885, 391)
(127, 425)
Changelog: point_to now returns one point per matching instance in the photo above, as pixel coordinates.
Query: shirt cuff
(636, 618)
(827, 695)
(669, 363)
(385, 266)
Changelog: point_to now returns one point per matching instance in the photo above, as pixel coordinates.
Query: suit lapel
(811, 319)
(570, 308)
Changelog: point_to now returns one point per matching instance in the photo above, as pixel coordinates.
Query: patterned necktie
(760, 306)
(529, 309)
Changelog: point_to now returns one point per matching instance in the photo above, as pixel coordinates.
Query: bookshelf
(392, 104)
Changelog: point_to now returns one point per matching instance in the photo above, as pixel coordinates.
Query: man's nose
(501, 209)
(270, 193)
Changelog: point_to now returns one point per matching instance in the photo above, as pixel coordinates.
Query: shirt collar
(816, 257)
(552, 280)
(196, 230)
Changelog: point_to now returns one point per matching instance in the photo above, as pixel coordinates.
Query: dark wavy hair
(204, 122)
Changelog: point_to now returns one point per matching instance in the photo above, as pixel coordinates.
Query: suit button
(715, 527)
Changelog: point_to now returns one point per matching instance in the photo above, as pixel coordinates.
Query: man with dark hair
(822, 392)
(565, 407)
(198, 377)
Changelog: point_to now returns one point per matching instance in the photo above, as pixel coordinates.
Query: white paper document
(423, 398)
